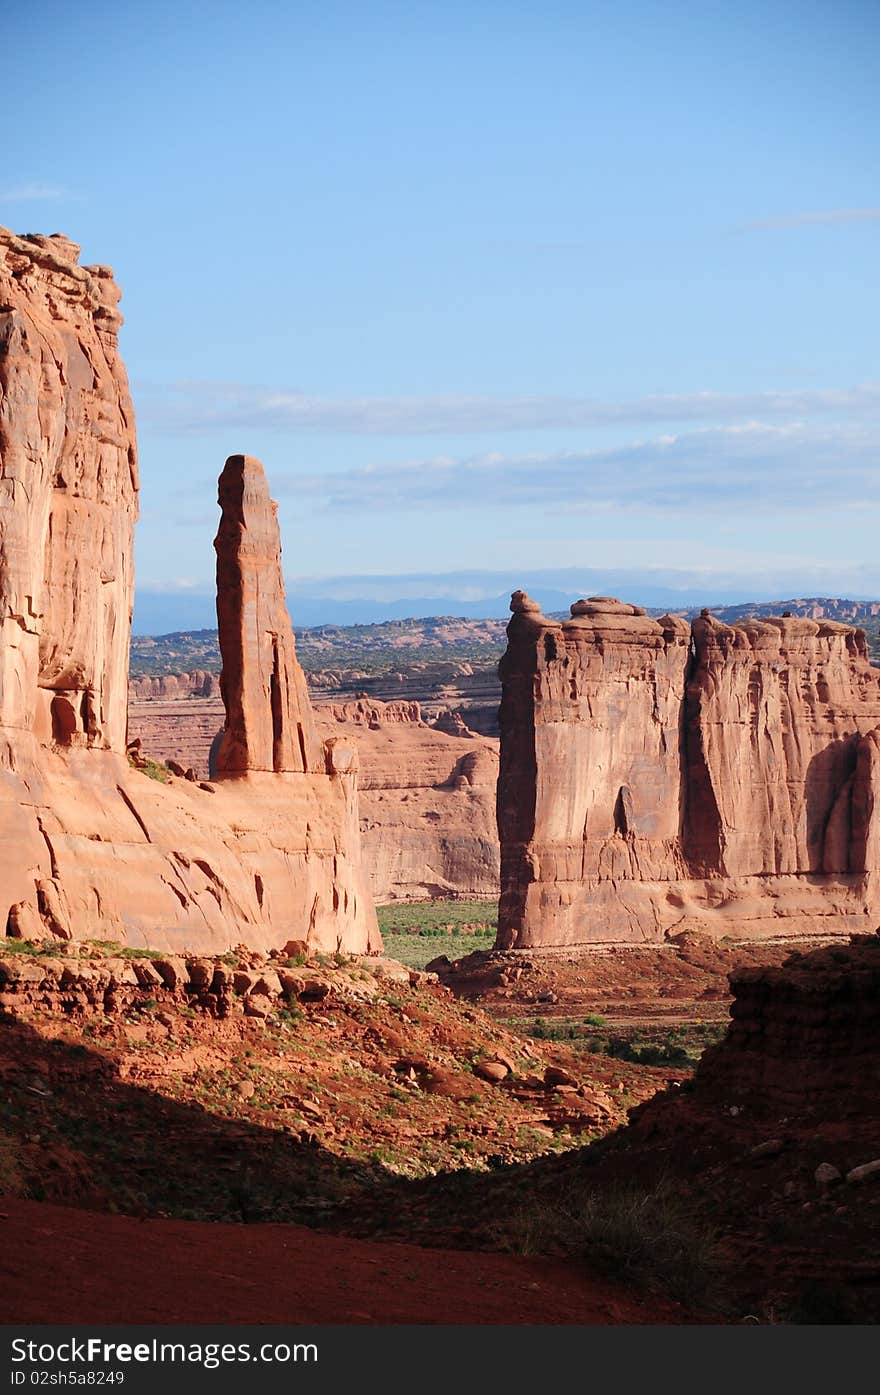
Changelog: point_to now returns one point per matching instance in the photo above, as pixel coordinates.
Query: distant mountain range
(406, 644)
(472, 595)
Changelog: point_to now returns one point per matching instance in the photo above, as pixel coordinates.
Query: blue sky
(493, 287)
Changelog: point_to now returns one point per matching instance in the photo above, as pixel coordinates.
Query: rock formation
(89, 847)
(184, 729)
(657, 775)
(804, 1037)
(68, 498)
(268, 714)
(171, 686)
(426, 790)
(427, 802)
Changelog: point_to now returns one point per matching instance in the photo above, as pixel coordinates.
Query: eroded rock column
(269, 723)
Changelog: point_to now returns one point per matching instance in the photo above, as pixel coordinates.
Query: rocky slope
(309, 1081)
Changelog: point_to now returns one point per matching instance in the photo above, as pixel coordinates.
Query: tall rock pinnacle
(268, 714)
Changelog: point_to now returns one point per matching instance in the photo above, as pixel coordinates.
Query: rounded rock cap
(604, 605)
(522, 603)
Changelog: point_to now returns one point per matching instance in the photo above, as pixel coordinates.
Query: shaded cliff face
(804, 1037)
(774, 1143)
(90, 848)
(68, 497)
(775, 710)
(656, 775)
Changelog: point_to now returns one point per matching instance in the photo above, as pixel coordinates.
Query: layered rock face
(427, 801)
(172, 686)
(657, 776)
(89, 847)
(68, 498)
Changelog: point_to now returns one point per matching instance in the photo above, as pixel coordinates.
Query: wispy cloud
(826, 215)
(32, 193)
(200, 408)
(753, 466)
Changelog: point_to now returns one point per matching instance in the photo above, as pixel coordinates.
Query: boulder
(493, 1071)
(864, 1172)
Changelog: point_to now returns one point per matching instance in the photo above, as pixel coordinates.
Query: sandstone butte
(90, 847)
(658, 776)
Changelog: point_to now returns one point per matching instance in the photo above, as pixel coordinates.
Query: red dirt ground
(61, 1265)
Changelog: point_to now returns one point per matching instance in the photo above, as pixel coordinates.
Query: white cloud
(746, 467)
(32, 193)
(198, 408)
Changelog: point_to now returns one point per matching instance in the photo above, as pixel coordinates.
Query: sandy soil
(58, 1264)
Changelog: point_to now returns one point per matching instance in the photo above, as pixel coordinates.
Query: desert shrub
(153, 770)
(438, 918)
(647, 1237)
(12, 1182)
(822, 1304)
(561, 1030)
(291, 1013)
(115, 950)
(11, 946)
(667, 1053)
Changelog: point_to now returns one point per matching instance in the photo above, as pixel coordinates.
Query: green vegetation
(110, 949)
(12, 1181)
(152, 769)
(680, 1046)
(437, 917)
(30, 947)
(416, 933)
(61, 949)
(416, 951)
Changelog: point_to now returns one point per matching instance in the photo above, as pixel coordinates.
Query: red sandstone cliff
(171, 686)
(90, 848)
(656, 776)
(69, 497)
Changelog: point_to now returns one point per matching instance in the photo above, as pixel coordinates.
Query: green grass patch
(31, 947)
(112, 950)
(416, 951)
(153, 770)
(438, 918)
(671, 1046)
